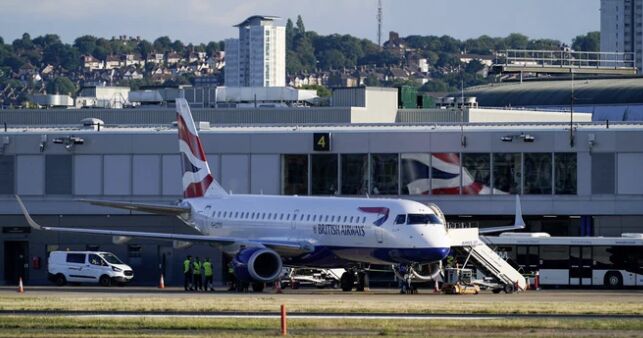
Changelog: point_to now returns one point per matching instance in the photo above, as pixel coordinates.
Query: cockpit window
(422, 219)
(400, 219)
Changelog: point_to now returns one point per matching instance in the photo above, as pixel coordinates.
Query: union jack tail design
(197, 179)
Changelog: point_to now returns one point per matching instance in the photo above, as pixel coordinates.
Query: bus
(612, 262)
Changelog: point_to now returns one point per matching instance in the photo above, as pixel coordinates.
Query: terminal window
(7, 185)
(294, 174)
(538, 173)
(507, 172)
(324, 174)
(445, 173)
(476, 173)
(603, 173)
(384, 174)
(565, 173)
(354, 171)
(415, 169)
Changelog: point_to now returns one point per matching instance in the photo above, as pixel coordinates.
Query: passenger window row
(269, 216)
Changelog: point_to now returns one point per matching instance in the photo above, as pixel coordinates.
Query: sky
(199, 21)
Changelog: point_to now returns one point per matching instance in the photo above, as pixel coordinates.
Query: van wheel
(105, 280)
(60, 279)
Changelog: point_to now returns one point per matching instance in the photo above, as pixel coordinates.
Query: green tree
(61, 85)
(517, 41)
(590, 42)
(13, 61)
(212, 48)
(63, 55)
(293, 64)
(162, 44)
(544, 44)
(100, 53)
(290, 34)
(473, 67)
(178, 46)
(23, 43)
(435, 85)
(305, 52)
(301, 29)
(47, 40)
(321, 90)
(85, 44)
(332, 59)
(372, 80)
(145, 48)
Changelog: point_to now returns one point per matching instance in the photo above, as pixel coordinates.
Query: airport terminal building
(582, 183)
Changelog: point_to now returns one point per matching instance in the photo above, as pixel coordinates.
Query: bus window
(554, 257)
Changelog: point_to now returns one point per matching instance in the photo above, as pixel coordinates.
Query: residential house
(156, 58)
(91, 63)
(113, 62)
(132, 60)
(173, 58)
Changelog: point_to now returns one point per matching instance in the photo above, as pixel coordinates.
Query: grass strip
(43, 326)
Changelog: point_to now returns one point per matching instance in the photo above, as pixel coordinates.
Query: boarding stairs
(469, 241)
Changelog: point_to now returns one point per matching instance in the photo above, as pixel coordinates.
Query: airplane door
(379, 235)
(293, 225)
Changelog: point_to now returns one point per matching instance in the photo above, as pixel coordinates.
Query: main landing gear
(356, 279)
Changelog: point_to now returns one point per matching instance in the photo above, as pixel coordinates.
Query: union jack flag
(444, 171)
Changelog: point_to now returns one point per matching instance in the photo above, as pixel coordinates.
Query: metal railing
(565, 58)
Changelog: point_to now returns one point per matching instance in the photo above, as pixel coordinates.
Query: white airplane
(262, 233)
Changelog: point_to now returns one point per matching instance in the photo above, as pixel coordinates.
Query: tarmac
(373, 295)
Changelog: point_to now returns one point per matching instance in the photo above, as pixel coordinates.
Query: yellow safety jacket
(207, 269)
(197, 268)
(186, 266)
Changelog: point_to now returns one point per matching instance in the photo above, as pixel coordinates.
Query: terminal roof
(340, 128)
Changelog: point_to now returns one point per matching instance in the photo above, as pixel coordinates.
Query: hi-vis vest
(207, 269)
(197, 268)
(186, 266)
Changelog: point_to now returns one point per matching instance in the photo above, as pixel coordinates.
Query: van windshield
(111, 259)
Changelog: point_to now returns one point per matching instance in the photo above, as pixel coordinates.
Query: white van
(87, 267)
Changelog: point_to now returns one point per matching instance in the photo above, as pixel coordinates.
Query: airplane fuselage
(341, 231)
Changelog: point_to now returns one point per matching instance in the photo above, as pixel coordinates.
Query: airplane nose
(443, 252)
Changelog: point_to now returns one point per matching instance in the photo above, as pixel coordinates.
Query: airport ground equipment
(468, 241)
(459, 281)
(320, 278)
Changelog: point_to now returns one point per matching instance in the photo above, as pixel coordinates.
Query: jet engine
(257, 265)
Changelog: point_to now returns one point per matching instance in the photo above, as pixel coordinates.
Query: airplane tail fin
(197, 178)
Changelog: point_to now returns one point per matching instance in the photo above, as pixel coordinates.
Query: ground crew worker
(231, 278)
(198, 282)
(187, 273)
(207, 272)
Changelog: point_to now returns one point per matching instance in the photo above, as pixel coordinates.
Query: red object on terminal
(35, 262)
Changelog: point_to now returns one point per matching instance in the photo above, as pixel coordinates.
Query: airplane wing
(151, 208)
(519, 222)
(282, 247)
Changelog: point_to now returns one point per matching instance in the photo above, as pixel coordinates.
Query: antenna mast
(379, 23)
